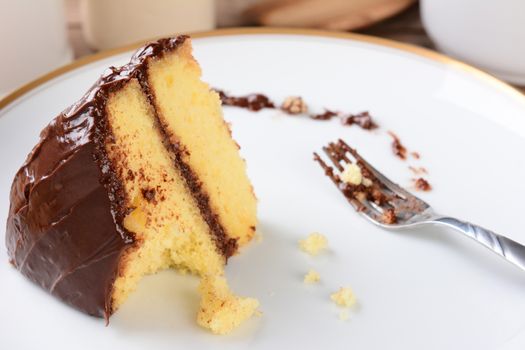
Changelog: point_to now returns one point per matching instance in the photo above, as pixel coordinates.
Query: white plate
(424, 289)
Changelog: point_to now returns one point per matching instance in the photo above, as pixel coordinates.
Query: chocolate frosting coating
(64, 229)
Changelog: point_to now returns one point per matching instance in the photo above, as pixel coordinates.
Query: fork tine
(341, 153)
(372, 212)
(364, 208)
(329, 151)
(382, 201)
(329, 171)
(395, 188)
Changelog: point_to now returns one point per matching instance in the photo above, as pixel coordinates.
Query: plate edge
(419, 51)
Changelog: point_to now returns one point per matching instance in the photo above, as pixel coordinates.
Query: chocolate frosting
(61, 230)
(64, 229)
(256, 102)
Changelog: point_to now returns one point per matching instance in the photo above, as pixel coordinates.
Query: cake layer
(164, 215)
(193, 120)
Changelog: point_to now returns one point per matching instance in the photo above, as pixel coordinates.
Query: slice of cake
(140, 175)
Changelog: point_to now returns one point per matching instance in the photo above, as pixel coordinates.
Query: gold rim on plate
(432, 55)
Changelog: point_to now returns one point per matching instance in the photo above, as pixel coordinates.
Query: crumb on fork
(352, 174)
(314, 243)
(389, 216)
(363, 119)
(312, 277)
(361, 188)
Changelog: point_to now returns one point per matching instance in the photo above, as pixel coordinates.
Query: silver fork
(389, 206)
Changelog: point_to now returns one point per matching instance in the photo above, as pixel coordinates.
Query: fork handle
(510, 250)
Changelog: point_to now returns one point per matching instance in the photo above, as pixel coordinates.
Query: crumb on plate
(314, 243)
(344, 297)
(221, 311)
(422, 184)
(312, 277)
(294, 105)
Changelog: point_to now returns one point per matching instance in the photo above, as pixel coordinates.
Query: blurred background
(40, 35)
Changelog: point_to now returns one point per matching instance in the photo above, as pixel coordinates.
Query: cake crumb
(419, 170)
(352, 174)
(360, 196)
(422, 184)
(397, 147)
(344, 297)
(294, 105)
(312, 277)
(221, 311)
(258, 238)
(363, 119)
(416, 155)
(326, 115)
(314, 243)
(344, 315)
(389, 216)
(367, 182)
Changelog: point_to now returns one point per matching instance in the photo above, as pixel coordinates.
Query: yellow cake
(314, 243)
(312, 277)
(221, 311)
(344, 297)
(139, 176)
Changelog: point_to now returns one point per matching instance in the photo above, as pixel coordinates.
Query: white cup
(112, 23)
(487, 33)
(33, 40)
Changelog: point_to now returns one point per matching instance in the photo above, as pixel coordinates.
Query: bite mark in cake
(352, 174)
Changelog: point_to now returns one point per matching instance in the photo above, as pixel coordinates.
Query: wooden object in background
(230, 13)
(326, 14)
